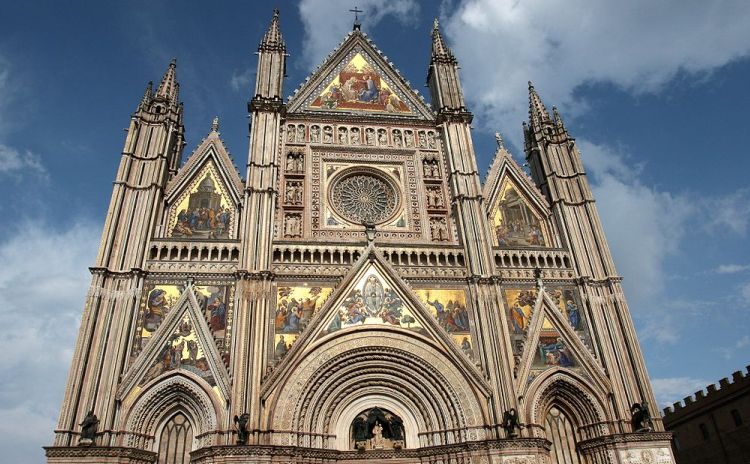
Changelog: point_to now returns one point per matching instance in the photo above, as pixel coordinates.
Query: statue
(510, 424)
(88, 429)
(241, 422)
(377, 436)
(359, 429)
(640, 417)
(397, 428)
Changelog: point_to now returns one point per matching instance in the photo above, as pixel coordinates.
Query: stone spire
(272, 40)
(537, 112)
(558, 121)
(147, 95)
(169, 88)
(440, 51)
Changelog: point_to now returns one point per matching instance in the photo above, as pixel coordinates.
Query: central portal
(376, 429)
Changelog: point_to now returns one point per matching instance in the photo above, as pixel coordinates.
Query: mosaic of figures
(448, 307)
(515, 223)
(215, 303)
(357, 136)
(551, 349)
(359, 87)
(295, 307)
(373, 302)
(204, 211)
(183, 350)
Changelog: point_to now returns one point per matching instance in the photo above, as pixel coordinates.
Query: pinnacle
(537, 111)
(272, 40)
(439, 49)
(169, 88)
(215, 124)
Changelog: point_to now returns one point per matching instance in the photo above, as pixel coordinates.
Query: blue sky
(656, 95)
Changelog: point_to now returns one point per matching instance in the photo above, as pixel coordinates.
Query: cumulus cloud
(562, 44)
(43, 280)
(643, 224)
(319, 41)
(731, 212)
(673, 389)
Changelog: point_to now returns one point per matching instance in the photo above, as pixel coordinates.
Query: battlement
(726, 387)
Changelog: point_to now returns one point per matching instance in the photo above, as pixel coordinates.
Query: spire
(215, 124)
(148, 94)
(558, 120)
(440, 51)
(169, 88)
(537, 111)
(272, 40)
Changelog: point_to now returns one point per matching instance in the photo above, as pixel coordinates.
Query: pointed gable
(183, 341)
(357, 78)
(204, 196)
(517, 210)
(549, 333)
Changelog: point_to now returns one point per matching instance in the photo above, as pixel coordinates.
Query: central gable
(356, 78)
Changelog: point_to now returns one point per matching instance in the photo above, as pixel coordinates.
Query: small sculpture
(88, 429)
(510, 424)
(241, 422)
(640, 418)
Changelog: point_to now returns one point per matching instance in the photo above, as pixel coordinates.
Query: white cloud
(673, 389)
(562, 44)
(16, 162)
(325, 25)
(241, 80)
(728, 352)
(745, 291)
(643, 225)
(731, 268)
(731, 212)
(43, 281)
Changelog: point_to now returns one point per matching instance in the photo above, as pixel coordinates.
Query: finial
(499, 140)
(435, 24)
(537, 111)
(146, 100)
(440, 50)
(169, 88)
(357, 24)
(215, 124)
(272, 39)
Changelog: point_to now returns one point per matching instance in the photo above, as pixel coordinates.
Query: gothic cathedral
(361, 296)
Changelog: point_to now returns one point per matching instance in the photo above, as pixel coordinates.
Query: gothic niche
(295, 162)
(377, 429)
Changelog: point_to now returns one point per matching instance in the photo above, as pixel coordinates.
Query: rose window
(364, 197)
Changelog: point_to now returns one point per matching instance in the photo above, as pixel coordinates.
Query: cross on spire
(356, 12)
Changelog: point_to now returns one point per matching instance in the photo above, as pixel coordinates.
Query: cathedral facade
(361, 295)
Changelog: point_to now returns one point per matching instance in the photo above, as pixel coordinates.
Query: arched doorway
(176, 440)
(562, 433)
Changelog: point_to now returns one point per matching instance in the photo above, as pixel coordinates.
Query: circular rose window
(364, 196)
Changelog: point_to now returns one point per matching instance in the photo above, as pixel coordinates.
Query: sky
(656, 94)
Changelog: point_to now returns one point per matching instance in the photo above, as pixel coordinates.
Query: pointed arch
(146, 414)
(571, 393)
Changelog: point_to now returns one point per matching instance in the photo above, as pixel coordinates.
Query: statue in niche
(409, 138)
(89, 427)
(397, 140)
(640, 417)
(315, 134)
(511, 424)
(370, 136)
(291, 162)
(299, 162)
(382, 137)
(328, 134)
(355, 136)
(377, 429)
(431, 144)
(290, 133)
(300, 133)
(293, 226)
(293, 193)
(241, 422)
(422, 140)
(439, 229)
(343, 136)
(434, 198)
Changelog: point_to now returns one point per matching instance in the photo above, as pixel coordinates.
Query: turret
(269, 82)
